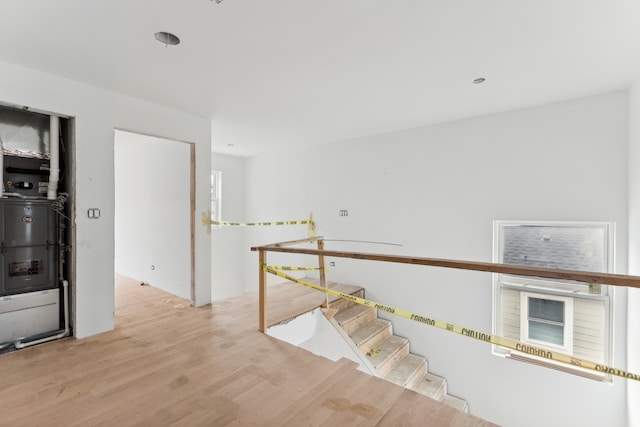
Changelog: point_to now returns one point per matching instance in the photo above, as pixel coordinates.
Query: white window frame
(216, 195)
(550, 289)
(567, 325)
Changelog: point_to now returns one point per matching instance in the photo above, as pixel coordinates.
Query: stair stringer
(364, 360)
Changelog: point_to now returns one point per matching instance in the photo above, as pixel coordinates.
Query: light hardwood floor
(170, 364)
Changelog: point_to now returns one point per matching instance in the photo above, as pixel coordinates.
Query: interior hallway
(168, 363)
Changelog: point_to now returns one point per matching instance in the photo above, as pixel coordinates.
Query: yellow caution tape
(290, 268)
(255, 224)
(471, 333)
(207, 221)
(312, 226)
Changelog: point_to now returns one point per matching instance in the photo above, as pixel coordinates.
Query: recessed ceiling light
(217, 1)
(167, 38)
(479, 80)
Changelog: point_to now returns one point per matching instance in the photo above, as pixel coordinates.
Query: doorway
(154, 212)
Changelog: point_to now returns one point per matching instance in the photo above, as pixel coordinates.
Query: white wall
(228, 242)
(633, 333)
(319, 335)
(97, 113)
(153, 211)
(436, 190)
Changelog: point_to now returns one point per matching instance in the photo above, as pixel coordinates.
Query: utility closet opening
(36, 227)
(154, 212)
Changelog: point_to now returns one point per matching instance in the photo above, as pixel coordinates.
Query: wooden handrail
(321, 253)
(581, 276)
(295, 242)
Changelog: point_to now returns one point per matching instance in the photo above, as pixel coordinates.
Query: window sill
(562, 367)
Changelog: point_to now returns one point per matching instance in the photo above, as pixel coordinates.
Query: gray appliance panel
(29, 314)
(29, 269)
(28, 223)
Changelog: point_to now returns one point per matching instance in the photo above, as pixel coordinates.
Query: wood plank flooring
(288, 300)
(171, 364)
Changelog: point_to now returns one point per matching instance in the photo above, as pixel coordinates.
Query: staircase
(390, 354)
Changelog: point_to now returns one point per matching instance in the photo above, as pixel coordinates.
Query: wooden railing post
(262, 274)
(323, 278)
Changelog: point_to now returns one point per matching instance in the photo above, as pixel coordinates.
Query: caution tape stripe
(257, 224)
(291, 268)
(208, 222)
(469, 332)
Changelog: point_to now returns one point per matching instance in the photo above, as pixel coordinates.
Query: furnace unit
(33, 292)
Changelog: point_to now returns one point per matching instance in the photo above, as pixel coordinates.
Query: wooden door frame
(192, 202)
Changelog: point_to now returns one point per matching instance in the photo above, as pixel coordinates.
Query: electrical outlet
(332, 263)
(343, 212)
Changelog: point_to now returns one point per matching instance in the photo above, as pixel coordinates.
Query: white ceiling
(279, 73)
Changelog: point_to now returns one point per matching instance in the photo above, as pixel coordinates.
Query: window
(547, 321)
(561, 315)
(216, 189)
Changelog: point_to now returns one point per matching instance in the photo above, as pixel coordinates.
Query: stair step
(340, 287)
(343, 303)
(432, 386)
(351, 318)
(371, 333)
(408, 371)
(457, 403)
(386, 354)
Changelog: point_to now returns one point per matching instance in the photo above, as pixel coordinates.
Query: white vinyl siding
(510, 313)
(589, 320)
(589, 329)
(577, 246)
